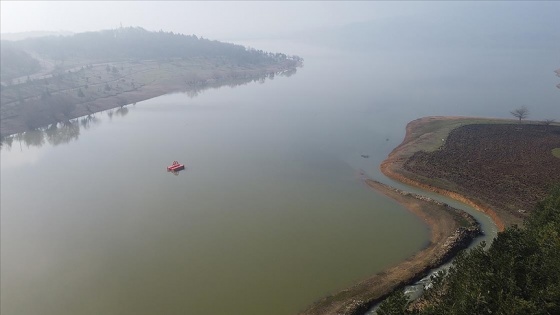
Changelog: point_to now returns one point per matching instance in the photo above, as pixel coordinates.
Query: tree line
(132, 43)
(518, 274)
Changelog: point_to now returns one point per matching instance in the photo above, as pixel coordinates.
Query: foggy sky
(248, 20)
(214, 19)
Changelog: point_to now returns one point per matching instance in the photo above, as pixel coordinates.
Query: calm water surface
(271, 213)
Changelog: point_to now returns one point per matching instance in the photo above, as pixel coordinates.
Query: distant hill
(131, 43)
(488, 26)
(33, 34)
(46, 80)
(15, 62)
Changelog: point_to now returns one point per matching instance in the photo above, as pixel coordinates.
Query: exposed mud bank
(451, 230)
(393, 167)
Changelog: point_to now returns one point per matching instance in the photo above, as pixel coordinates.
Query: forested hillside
(131, 43)
(518, 274)
(56, 78)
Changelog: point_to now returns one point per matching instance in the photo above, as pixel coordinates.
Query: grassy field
(556, 152)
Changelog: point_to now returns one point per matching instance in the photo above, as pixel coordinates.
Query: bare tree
(547, 123)
(520, 113)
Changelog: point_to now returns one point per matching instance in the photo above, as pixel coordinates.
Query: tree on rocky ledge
(520, 113)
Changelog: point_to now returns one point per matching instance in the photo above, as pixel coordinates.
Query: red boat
(175, 167)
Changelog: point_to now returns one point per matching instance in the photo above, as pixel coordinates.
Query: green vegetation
(396, 303)
(90, 72)
(518, 274)
(556, 152)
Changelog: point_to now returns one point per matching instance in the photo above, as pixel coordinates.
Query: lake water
(271, 213)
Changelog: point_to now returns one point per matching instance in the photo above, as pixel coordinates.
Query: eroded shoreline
(451, 230)
(427, 136)
(392, 167)
(447, 237)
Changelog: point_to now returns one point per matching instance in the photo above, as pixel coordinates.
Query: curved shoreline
(392, 167)
(451, 230)
(387, 169)
(359, 298)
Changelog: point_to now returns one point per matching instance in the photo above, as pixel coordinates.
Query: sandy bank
(450, 231)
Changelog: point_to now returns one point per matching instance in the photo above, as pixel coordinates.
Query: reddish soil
(504, 167)
(416, 139)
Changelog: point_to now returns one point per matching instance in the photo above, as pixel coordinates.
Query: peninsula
(498, 166)
(510, 170)
(53, 79)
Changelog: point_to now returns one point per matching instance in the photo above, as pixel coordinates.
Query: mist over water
(271, 213)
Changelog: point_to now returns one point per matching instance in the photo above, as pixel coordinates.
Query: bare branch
(520, 113)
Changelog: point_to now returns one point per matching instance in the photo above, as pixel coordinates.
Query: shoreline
(159, 85)
(421, 134)
(428, 134)
(451, 230)
(392, 167)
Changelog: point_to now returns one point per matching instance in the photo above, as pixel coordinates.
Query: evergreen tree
(518, 274)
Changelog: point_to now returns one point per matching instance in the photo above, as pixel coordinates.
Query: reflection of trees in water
(193, 93)
(29, 138)
(54, 134)
(193, 89)
(63, 132)
(58, 133)
(288, 73)
(122, 111)
(33, 138)
(7, 142)
(89, 121)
